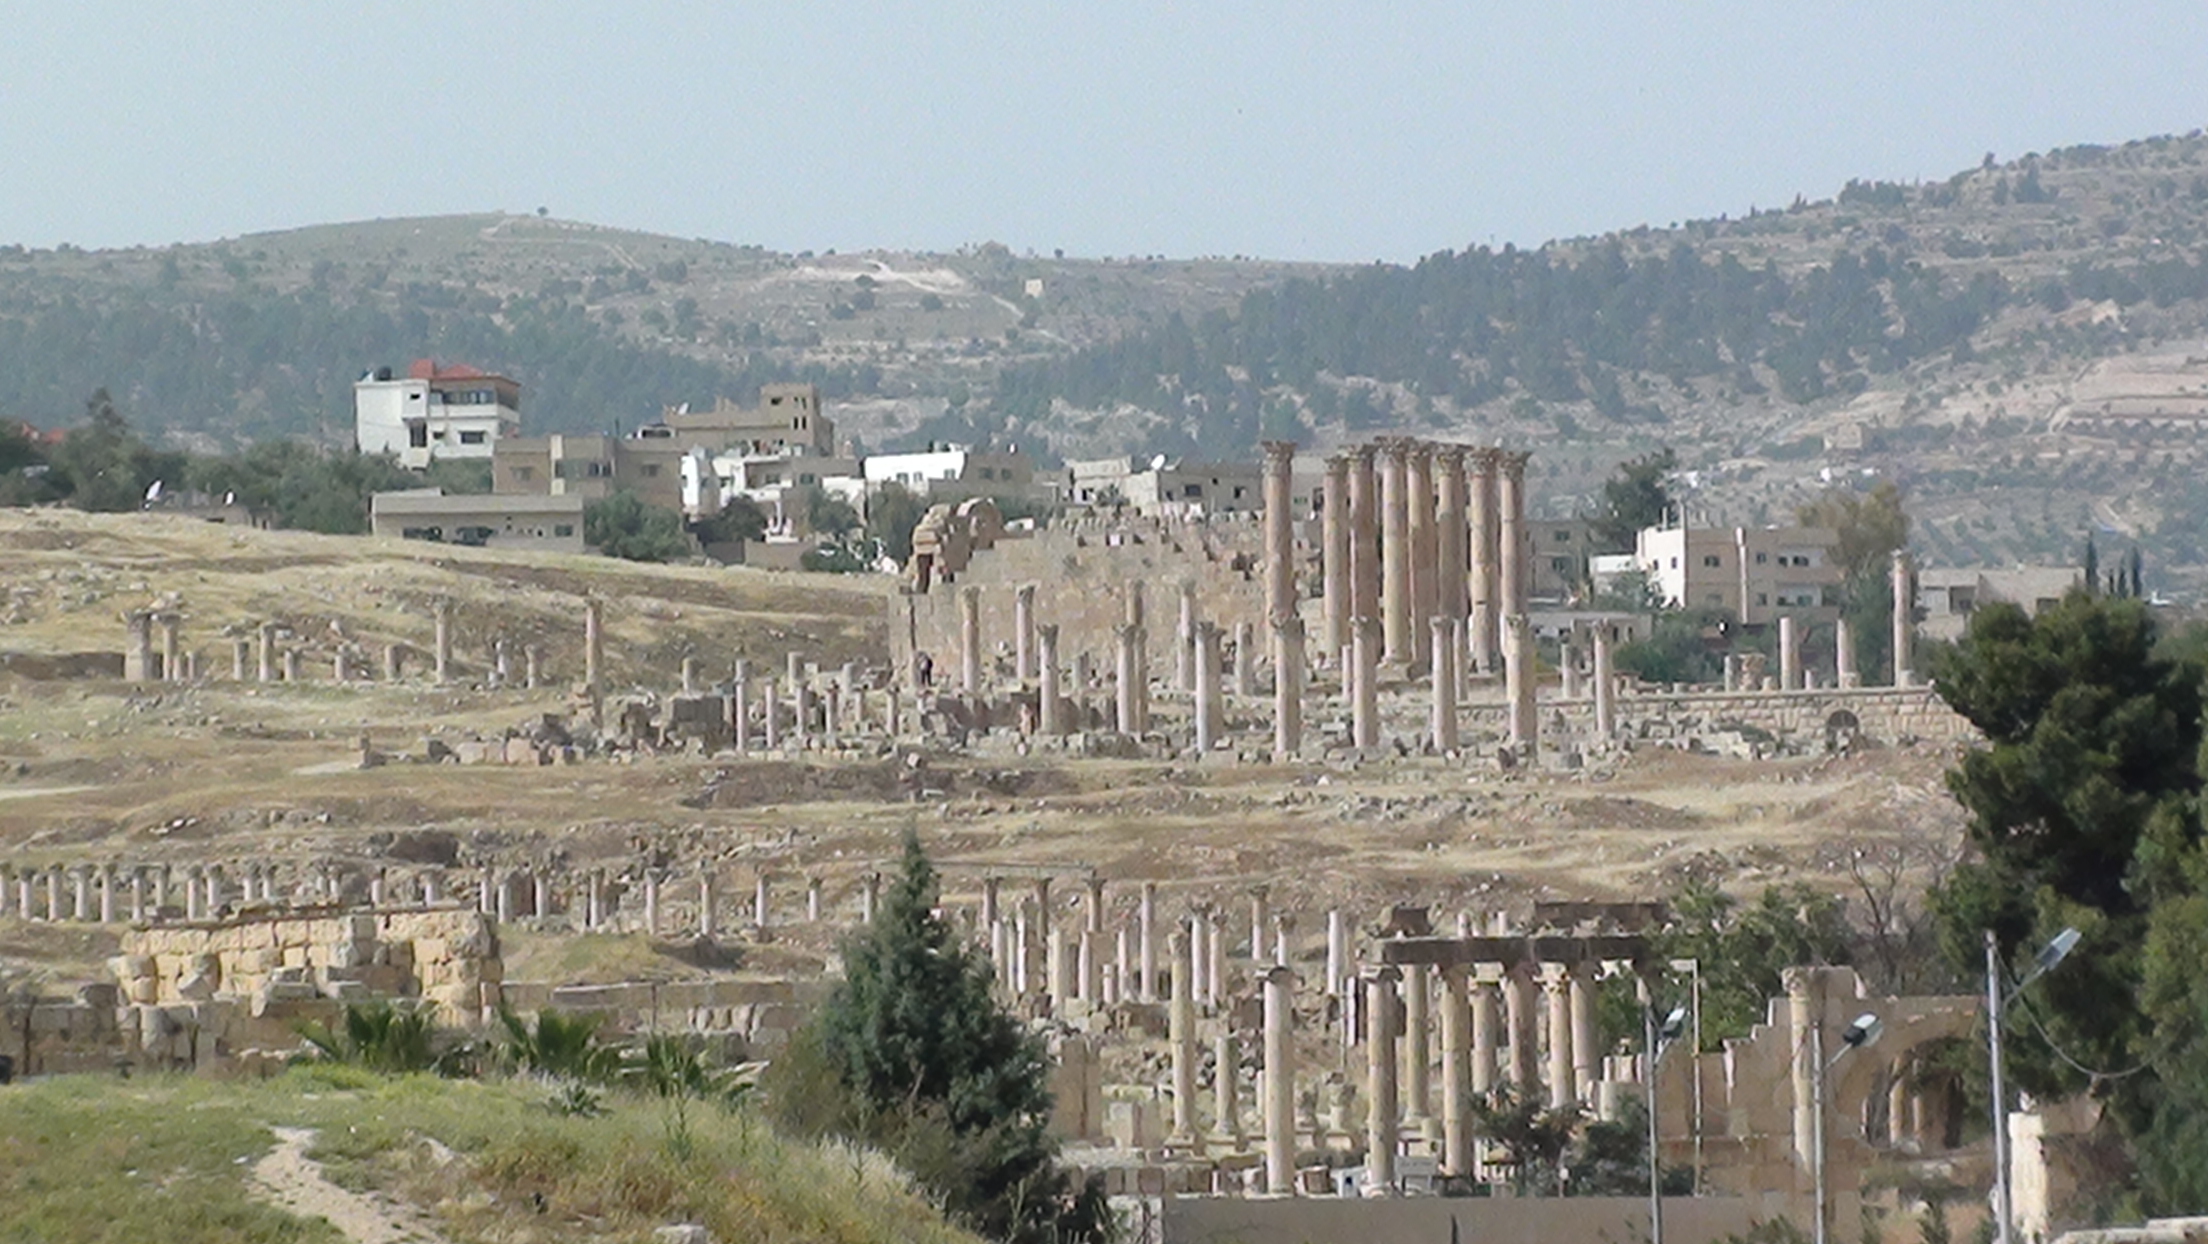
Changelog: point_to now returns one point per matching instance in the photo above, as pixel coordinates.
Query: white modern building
(434, 413)
(952, 472)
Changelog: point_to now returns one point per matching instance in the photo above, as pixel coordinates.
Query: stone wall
(1080, 569)
(1429, 1220)
(448, 955)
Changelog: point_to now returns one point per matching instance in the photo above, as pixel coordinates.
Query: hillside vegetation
(1959, 336)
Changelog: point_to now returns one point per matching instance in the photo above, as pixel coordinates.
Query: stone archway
(1842, 730)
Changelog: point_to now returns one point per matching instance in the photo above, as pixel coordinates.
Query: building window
(563, 530)
(1675, 563)
(988, 473)
(1762, 599)
(1710, 560)
(1192, 490)
(1563, 537)
(651, 470)
(1561, 565)
(524, 474)
(1760, 559)
(472, 438)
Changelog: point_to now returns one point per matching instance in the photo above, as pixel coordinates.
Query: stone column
(172, 649)
(1199, 952)
(1334, 559)
(1364, 537)
(138, 655)
(1606, 686)
(291, 665)
(1280, 1081)
(1364, 712)
(870, 893)
(1245, 659)
(739, 708)
(1586, 1045)
(1456, 1085)
(1181, 1033)
(969, 640)
(1129, 672)
(1790, 655)
(1417, 1045)
(1516, 567)
(80, 894)
(1210, 720)
(1802, 1005)
(761, 912)
(1226, 1111)
(1381, 1122)
(770, 728)
(265, 655)
(444, 641)
(1260, 919)
(1845, 676)
(139, 910)
(1023, 632)
(1337, 952)
(503, 893)
(1418, 484)
(341, 670)
(594, 642)
(705, 902)
(241, 659)
(1052, 717)
(1567, 663)
(1146, 920)
(394, 662)
(215, 895)
(1442, 678)
(812, 900)
(1563, 1088)
(195, 894)
(532, 666)
(1451, 532)
(1280, 528)
(1905, 603)
(1487, 1024)
(540, 893)
(1518, 684)
(1092, 907)
(1288, 666)
(689, 676)
(1395, 552)
(651, 902)
(1184, 639)
(1523, 1001)
(1485, 588)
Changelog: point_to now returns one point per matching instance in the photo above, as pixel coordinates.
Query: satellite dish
(1157, 463)
(153, 492)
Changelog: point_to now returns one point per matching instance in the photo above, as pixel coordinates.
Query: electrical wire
(2092, 1075)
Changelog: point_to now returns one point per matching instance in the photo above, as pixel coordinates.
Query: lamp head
(1863, 1032)
(1674, 1024)
(2059, 949)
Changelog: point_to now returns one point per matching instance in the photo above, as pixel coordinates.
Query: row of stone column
(264, 658)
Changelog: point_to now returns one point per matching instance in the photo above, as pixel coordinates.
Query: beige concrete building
(551, 523)
(1947, 596)
(1757, 573)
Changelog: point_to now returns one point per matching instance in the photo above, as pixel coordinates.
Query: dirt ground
(92, 769)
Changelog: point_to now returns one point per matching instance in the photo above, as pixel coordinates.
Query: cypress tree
(938, 1074)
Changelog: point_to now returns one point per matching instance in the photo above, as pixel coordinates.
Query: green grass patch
(97, 1159)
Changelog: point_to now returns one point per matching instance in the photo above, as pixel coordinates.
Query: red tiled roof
(427, 369)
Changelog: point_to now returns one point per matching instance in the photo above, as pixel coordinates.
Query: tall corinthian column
(1452, 532)
(1516, 565)
(1334, 564)
(1364, 538)
(1280, 529)
(1485, 588)
(1395, 552)
(1418, 489)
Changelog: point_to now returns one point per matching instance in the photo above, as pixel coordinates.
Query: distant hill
(2024, 344)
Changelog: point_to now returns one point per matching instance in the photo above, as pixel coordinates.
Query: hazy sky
(1341, 131)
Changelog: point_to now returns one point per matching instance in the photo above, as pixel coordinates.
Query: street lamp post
(1657, 1038)
(1858, 1035)
(1996, 999)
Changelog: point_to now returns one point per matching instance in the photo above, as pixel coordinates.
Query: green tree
(1742, 948)
(623, 526)
(740, 518)
(1637, 496)
(891, 515)
(912, 1053)
(103, 464)
(2085, 810)
(1870, 525)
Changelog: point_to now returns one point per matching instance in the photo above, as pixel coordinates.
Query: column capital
(1482, 459)
(1025, 591)
(1361, 455)
(1513, 463)
(1396, 449)
(1280, 974)
(1289, 625)
(1278, 453)
(1339, 462)
(1451, 456)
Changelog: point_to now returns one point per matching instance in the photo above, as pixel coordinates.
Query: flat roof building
(545, 523)
(434, 413)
